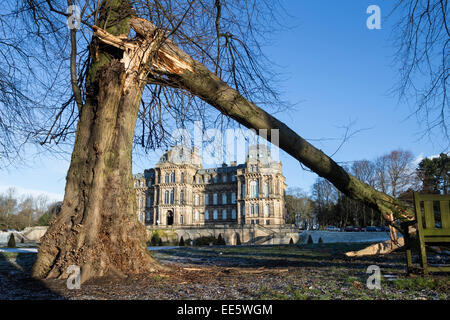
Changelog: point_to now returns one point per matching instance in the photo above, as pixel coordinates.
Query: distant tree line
(394, 173)
(26, 211)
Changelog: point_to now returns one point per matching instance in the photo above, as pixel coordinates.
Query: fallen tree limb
(172, 66)
(378, 248)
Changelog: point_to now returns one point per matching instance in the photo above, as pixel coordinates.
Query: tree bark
(97, 228)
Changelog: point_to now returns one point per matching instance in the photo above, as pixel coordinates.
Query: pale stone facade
(180, 192)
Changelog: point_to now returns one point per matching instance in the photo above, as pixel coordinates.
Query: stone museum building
(180, 192)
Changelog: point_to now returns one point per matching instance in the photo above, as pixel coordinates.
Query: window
(208, 179)
(206, 215)
(181, 219)
(182, 196)
(141, 217)
(197, 215)
(233, 178)
(243, 190)
(253, 222)
(243, 210)
(142, 183)
(215, 198)
(149, 201)
(224, 198)
(182, 177)
(224, 214)
(206, 199)
(233, 214)
(166, 196)
(257, 221)
(252, 210)
(172, 196)
(172, 177)
(257, 209)
(267, 221)
(266, 190)
(199, 180)
(166, 178)
(149, 183)
(233, 197)
(197, 199)
(254, 190)
(215, 179)
(147, 216)
(215, 215)
(267, 212)
(224, 178)
(141, 203)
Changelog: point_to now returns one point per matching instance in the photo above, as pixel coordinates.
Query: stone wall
(255, 234)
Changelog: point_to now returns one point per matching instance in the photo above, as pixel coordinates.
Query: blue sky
(335, 69)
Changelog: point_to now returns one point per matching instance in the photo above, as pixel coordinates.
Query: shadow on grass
(305, 256)
(16, 282)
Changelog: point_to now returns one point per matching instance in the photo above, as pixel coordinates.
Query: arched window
(182, 196)
(197, 199)
(181, 219)
(166, 178)
(254, 189)
(166, 196)
(172, 177)
(224, 214)
(182, 177)
(266, 190)
(172, 196)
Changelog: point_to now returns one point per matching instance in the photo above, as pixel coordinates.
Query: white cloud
(32, 192)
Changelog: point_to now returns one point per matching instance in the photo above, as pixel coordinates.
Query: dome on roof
(181, 154)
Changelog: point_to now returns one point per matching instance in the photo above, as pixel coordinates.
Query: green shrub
(220, 241)
(204, 241)
(155, 239)
(11, 241)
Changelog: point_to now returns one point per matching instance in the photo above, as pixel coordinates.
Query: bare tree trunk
(97, 228)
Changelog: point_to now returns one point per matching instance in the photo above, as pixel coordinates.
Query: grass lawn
(313, 271)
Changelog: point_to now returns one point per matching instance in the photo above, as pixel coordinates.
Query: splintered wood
(150, 51)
